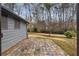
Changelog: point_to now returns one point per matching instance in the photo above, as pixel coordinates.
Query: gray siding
(13, 36)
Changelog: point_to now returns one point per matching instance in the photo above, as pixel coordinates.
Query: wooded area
(47, 18)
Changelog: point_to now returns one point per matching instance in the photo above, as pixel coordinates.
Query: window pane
(17, 24)
(4, 23)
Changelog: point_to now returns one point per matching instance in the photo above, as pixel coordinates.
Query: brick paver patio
(35, 47)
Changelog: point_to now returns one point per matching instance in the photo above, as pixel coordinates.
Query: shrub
(28, 30)
(73, 33)
(69, 34)
(58, 32)
(34, 29)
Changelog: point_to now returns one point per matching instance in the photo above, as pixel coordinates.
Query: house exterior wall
(12, 36)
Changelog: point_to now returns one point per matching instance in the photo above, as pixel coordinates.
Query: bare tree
(48, 7)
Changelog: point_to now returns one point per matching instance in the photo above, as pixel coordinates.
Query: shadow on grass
(53, 36)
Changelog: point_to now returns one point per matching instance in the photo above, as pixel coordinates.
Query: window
(17, 24)
(4, 23)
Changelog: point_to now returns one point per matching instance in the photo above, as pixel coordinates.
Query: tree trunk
(30, 18)
(49, 23)
(63, 20)
(0, 30)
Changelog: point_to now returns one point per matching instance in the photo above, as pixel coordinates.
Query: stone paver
(36, 47)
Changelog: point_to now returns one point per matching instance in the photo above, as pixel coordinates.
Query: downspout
(26, 31)
(77, 29)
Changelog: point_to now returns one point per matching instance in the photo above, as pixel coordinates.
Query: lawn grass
(68, 45)
(68, 48)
